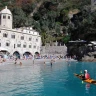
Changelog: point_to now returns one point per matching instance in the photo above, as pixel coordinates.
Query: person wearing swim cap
(86, 74)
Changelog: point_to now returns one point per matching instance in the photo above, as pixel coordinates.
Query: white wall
(17, 39)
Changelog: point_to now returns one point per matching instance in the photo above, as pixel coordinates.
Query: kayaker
(86, 74)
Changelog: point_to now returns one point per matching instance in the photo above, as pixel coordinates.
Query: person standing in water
(51, 62)
(33, 58)
(15, 60)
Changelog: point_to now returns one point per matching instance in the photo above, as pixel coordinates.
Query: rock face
(90, 57)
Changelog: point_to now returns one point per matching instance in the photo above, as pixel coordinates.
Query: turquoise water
(46, 80)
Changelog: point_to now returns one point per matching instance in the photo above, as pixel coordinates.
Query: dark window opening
(5, 35)
(4, 17)
(13, 36)
(29, 46)
(24, 46)
(18, 45)
(14, 45)
(8, 17)
(22, 37)
(7, 44)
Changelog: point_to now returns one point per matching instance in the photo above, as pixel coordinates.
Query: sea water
(46, 80)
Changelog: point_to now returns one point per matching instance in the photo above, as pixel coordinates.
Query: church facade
(19, 41)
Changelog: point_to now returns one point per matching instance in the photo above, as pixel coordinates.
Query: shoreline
(35, 61)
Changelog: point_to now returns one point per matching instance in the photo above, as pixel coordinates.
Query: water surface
(46, 80)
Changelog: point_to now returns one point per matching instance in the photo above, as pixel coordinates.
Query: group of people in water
(85, 76)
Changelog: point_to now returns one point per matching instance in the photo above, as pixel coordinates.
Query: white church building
(19, 41)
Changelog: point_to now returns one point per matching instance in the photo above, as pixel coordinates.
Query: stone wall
(54, 50)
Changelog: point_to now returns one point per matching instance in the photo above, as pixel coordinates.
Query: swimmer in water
(20, 63)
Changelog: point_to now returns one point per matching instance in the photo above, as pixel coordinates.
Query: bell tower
(6, 18)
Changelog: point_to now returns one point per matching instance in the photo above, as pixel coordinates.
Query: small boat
(90, 80)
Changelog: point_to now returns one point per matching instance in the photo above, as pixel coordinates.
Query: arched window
(13, 36)
(5, 35)
(4, 16)
(25, 45)
(8, 17)
(19, 44)
(7, 43)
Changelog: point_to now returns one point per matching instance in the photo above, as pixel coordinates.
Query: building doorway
(16, 54)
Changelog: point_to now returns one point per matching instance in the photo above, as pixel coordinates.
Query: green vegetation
(50, 18)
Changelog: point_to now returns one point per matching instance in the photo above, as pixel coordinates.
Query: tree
(66, 38)
(44, 36)
(19, 17)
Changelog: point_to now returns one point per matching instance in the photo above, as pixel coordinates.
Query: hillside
(50, 18)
